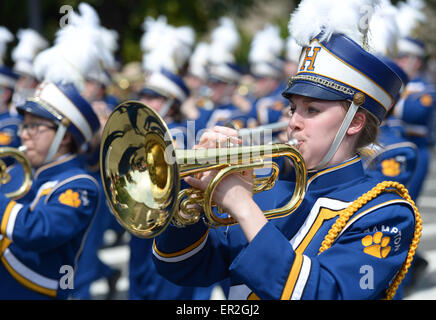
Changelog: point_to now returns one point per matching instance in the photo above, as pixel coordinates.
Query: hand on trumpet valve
(233, 187)
(218, 137)
(230, 189)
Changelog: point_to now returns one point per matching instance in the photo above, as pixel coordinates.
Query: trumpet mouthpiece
(293, 142)
(22, 148)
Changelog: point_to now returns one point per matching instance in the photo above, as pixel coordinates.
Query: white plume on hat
(29, 45)
(185, 37)
(5, 37)
(225, 39)
(293, 50)
(165, 46)
(153, 31)
(266, 45)
(384, 32)
(409, 16)
(349, 17)
(82, 48)
(199, 60)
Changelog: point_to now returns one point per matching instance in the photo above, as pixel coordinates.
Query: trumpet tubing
(142, 172)
(19, 156)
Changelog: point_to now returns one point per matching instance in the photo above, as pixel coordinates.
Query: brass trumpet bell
(141, 172)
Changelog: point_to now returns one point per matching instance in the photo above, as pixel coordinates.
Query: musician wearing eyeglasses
(351, 237)
(42, 232)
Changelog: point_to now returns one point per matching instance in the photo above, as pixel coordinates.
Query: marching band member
(90, 267)
(165, 92)
(267, 68)
(224, 76)
(29, 45)
(81, 49)
(196, 80)
(8, 80)
(351, 238)
(43, 233)
(415, 108)
(393, 157)
(223, 82)
(166, 50)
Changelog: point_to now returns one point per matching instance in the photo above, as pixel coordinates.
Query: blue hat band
(56, 102)
(339, 68)
(323, 90)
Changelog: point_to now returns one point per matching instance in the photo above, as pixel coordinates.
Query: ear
(357, 123)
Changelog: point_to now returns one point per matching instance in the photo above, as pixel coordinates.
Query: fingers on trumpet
(219, 137)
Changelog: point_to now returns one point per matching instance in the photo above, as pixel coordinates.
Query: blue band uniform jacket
(44, 231)
(282, 261)
(415, 109)
(393, 158)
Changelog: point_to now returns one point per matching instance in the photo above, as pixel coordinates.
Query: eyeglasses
(34, 128)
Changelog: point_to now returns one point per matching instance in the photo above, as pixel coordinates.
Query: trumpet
(18, 155)
(142, 171)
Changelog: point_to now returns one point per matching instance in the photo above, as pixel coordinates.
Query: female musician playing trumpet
(351, 237)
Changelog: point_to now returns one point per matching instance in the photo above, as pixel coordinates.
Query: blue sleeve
(418, 108)
(53, 218)
(192, 256)
(359, 265)
(397, 164)
(200, 256)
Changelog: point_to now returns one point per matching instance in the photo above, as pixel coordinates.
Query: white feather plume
(153, 31)
(5, 37)
(184, 38)
(199, 60)
(81, 49)
(350, 17)
(165, 46)
(293, 50)
(409, 16)
(384, 32)
(266, 45)
(30, 42)
(225, 39)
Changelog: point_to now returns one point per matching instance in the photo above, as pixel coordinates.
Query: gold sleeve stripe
(26, 282)
(181, 252)
(5, 219)
(293, 277)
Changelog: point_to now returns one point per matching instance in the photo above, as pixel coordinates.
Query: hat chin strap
(166, 107)
(60, 133)
(358, 100)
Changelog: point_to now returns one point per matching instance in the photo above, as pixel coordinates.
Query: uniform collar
(54, 166)
(336, 175)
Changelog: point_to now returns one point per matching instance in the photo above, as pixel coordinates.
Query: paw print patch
(376, 245)
(391, 168)
(70, 198)
(5, 138)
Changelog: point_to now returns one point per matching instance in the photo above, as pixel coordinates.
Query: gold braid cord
(386, 186)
